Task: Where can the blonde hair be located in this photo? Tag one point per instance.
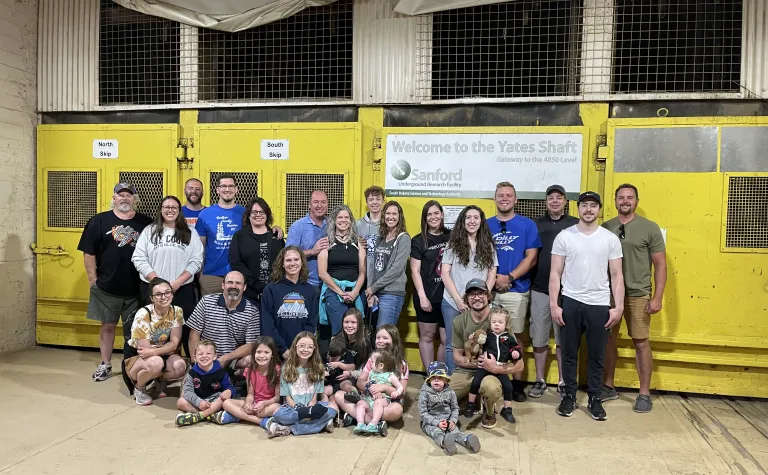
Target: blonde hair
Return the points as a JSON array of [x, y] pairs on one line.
[[136, 203], [500, 311]]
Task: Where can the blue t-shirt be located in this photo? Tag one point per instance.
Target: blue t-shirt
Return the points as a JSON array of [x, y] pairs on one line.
[[217, 225], [304, 233], [191, 215], [512, 239]]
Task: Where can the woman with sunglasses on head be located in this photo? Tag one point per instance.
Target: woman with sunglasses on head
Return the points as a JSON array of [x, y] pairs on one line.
[[171, 250], [426, 256], [154, 338], [470, 254], [254, 248]]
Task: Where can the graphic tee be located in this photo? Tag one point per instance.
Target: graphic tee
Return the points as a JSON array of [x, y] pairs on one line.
[[217, 225], [512, 239], [191, 215], [302, 390], [112, 240], [431, 257], [156, 329]]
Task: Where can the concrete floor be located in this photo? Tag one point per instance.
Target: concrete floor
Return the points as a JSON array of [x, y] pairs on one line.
[[55, 420]]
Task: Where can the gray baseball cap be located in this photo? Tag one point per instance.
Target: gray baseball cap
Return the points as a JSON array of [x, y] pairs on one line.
[[476, 284]]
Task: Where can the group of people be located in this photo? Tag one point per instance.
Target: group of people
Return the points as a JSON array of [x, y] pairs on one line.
[[254, 312]]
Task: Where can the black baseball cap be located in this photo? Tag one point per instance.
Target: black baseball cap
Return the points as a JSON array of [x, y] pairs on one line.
[[476, 284], [590, 196], [556, 188]]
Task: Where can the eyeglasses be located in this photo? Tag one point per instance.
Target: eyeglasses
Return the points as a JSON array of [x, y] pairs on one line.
[[258, 213], [477, 295], [306, 347], [170, 208], [622, 232], [226, 187], [165, 294]]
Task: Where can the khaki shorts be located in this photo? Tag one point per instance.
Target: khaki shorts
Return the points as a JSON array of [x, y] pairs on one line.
[[490, 388], [638, 320], [517, 305], [541, 321], [211, 284], [107, 308]]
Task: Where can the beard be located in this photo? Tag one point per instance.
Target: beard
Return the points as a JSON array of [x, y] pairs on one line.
[[233, 294], [124, 207], [193, 199]]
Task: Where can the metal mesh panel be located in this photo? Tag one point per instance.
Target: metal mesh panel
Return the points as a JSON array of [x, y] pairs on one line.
[[307, 56], [299, 187], [677, 46], [526, 48], [72, 198], [138, 57], [247, 186], [534, 208], [747, 218], [150, 188]]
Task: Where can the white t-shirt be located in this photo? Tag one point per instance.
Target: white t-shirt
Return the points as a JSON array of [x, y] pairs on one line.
[[585, 277]]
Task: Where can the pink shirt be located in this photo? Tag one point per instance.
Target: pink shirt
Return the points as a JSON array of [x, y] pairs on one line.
[[262, 391]]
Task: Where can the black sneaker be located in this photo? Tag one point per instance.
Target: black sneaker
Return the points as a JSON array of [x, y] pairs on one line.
[[596, 410], [470, 410], [348, 421], [383, 429], [352, 397], [506, 414], [518, 394], [567, 405]]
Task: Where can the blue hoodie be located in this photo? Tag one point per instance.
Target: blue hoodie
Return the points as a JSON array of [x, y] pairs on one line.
[[286, 310]]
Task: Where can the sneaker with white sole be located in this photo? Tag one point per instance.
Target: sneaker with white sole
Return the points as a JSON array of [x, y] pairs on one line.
[[567, 405], [538, 389], [595, 409], [142, 398], [103, 372], [277, 430]]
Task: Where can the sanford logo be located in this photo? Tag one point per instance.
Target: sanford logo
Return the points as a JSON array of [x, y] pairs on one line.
[[402, 170]]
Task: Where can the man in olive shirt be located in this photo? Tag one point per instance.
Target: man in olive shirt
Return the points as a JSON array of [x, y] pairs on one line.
[[643, 246], [478, 298]]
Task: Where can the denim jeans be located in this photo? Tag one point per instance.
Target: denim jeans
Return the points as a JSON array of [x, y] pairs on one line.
[[334, 309], [390, 307], [449, 313], [287, 416]]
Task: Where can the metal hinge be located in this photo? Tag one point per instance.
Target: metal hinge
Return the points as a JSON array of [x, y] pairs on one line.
[[602, 152], [378, 155], [52, 250], [185, 153]]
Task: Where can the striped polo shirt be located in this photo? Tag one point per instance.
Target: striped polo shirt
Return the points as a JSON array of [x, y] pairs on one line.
[[228, 329]]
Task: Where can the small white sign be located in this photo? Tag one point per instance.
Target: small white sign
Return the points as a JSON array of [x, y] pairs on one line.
[[274, 149], [451, 214], [105, 148]]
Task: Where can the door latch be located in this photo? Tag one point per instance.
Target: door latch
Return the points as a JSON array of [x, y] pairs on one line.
[[52, 250]]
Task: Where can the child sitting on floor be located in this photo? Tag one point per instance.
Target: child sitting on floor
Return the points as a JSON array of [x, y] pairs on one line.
[[205, 388], [384, 365], [439, 411]]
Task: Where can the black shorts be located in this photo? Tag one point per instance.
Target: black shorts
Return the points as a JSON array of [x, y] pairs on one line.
[[435, 316]]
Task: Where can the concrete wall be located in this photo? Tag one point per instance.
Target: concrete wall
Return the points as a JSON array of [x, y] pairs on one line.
[[18, 105]]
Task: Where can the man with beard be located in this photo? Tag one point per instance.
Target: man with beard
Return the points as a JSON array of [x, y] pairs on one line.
[[107, 243], [549, 225], [216, 225], [582, 256], [643, 246], [193, 190], [227, 319], [517, 247]]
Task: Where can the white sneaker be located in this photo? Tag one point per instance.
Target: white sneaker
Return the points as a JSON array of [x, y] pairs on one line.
[[142, 398]]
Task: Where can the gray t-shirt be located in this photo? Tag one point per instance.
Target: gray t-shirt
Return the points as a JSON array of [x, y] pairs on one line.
[[386, 269], [462, 274]]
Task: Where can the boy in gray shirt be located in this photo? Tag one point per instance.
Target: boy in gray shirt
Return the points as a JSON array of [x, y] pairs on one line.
[[368, 225]]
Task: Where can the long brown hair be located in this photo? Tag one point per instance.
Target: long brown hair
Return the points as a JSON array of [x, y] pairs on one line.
[[383, 231], [278, 271], [396, 348], [182, 233], [425, 226], [362, 342], [315, 369], [459, 241], [273, 376]]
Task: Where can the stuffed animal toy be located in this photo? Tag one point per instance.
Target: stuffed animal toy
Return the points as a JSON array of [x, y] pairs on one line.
[[474, 344]]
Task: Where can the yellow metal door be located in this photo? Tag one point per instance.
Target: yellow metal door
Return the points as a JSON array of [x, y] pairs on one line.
[[711, 335], [78, 167], [324, 156]]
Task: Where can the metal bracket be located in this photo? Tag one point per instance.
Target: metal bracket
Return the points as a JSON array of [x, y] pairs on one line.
[[53, 251], [185, 153], [602, 152], [378, 154]]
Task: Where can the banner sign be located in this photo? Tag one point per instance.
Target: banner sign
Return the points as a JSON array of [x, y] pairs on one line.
[[470, 165]]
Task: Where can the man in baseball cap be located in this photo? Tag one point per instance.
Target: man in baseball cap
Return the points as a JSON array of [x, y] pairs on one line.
[[590, 196], [123, 186]]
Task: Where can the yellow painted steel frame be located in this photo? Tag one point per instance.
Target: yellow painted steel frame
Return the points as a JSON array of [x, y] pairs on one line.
[[710, 336], [412, 209]]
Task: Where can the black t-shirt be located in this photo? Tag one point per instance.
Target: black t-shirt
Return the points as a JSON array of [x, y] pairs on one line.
[[431, 257], [112, 240], [343, 261], [548, 231]]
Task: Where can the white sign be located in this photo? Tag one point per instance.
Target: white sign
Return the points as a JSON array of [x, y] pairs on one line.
[[470, 165], [104, 148], [274, 149], [451, 214]]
